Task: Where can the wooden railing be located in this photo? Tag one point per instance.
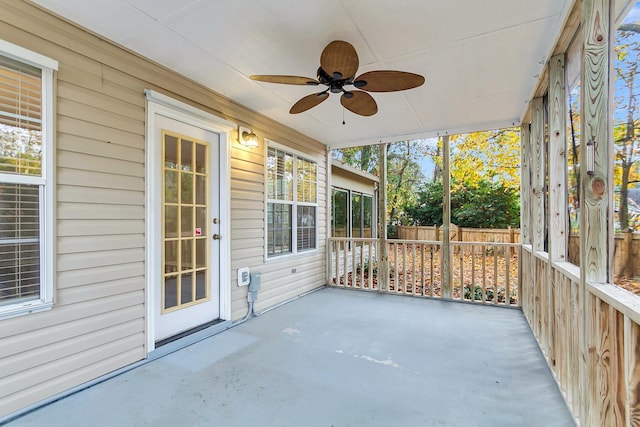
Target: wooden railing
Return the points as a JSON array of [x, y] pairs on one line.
[[481, 272], [590, 335], [353, 262]]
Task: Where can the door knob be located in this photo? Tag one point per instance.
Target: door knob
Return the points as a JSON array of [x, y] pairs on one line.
[[216, 237]]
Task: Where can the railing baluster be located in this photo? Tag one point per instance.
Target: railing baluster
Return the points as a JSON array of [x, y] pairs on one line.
[[495, 275], [473, 274], [395, 268], [422, 286], [362, 264], [461, 273], [507, 287], [413, 269], [484, 274], [345, 260], [431, 247], [370, 266]]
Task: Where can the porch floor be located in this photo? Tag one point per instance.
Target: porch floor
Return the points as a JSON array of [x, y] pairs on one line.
[[337, 358]]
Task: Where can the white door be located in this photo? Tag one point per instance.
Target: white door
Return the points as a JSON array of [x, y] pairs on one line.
[[187, 292]]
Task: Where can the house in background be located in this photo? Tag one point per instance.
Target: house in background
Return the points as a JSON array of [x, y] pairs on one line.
[[354, 195]]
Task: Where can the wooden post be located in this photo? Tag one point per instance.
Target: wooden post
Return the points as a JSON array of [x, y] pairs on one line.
[[538, 175], [525, 181], [328, 272], [447, 276], [595, 225], [383, 261], [557, 160]]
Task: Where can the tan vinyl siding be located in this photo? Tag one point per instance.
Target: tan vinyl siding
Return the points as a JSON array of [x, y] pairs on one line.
[[97, 324]]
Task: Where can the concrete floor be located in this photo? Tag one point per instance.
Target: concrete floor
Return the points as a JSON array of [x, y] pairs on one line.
[[337, 358]]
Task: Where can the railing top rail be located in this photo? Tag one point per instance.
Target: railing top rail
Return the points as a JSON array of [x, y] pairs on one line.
[[352, 239], [511, 245], [417, 242]]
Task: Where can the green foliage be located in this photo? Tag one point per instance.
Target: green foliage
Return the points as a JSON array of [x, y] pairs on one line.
[[481, 204]]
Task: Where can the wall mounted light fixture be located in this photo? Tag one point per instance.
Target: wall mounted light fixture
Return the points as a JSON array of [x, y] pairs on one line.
[[247, 138]]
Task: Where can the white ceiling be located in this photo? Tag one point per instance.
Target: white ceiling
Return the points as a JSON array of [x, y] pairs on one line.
[[480, 57]]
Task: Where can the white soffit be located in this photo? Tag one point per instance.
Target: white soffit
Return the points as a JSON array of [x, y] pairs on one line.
[[480, 58]]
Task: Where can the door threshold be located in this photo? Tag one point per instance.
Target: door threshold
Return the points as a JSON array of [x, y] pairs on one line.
[[188, 337]]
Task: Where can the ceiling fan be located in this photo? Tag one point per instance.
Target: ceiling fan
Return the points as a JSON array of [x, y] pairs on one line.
[[338, 67]]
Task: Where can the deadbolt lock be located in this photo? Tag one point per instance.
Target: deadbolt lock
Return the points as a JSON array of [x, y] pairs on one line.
[[216, 237]]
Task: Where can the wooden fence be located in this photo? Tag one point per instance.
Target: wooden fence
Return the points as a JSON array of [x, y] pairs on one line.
[[459, 234], [626, 260]]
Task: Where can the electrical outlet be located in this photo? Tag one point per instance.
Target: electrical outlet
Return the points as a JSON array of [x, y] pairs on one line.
[[243, 276]]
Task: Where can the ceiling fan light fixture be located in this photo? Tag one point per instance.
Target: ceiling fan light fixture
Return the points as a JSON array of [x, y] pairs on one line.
[[247, 138], [338, 67]]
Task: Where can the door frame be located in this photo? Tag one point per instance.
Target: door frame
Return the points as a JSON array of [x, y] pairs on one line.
[[159, 104]]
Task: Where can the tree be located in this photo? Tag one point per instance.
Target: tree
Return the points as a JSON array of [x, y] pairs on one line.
[[491, 155], [482, 204], [625, 118], [364, 158]]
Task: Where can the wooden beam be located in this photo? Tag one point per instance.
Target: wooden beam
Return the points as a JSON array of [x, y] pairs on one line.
[[383, 258], [595, 185], [537, 168], [525, 183], [595, 127], [557, 161], [447, 276]]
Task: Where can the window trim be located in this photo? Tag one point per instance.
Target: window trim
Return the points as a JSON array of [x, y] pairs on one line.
[[295, 253], [45, 182]]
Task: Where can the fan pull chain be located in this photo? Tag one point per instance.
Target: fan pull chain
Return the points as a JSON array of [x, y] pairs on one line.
[[343, 122]]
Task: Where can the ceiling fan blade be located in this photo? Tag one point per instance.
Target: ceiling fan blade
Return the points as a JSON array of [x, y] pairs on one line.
[[339, 60], [360, 103], [308, 102], [387, 81], [286, 80]]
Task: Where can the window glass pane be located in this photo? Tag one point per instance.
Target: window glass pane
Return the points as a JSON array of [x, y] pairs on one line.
[[170, 221], [20, 118], [356, 215], [171, 256], [201, 158], [573, 151], [187, 221], [170, 186], [201, 285], [272, 162], [186, 188], [170, 292], [19, 242], [186, 155], [626, 146], [306, 228], [307, 181], [339, 216], [367, 216], [280, 229], [186, 288], [170, 152]]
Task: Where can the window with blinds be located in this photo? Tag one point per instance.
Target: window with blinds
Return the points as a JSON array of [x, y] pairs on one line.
[[21, 181], [292, 202]]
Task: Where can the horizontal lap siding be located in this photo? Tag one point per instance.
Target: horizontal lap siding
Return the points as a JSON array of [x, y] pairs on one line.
[[97, 324], [278, 283]]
